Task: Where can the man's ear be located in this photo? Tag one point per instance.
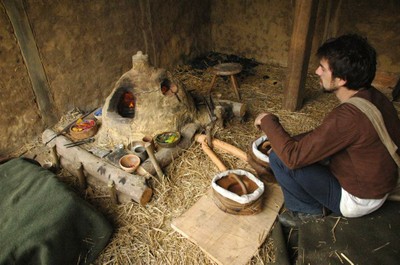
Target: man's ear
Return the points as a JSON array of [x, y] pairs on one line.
[[340, 81]]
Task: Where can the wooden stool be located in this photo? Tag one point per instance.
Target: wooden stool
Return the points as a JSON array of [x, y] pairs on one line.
[[227, 69]]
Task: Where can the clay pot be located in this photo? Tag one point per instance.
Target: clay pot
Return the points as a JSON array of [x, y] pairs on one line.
[[149, 140], [129, 162], [140, 151]]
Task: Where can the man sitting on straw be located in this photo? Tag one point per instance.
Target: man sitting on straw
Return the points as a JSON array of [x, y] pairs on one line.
[[360, 171]]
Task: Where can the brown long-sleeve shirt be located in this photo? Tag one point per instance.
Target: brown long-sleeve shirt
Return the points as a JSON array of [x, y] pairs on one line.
[[358, 158]]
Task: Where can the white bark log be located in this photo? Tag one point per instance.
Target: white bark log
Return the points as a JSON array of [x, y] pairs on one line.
[[134, 186]]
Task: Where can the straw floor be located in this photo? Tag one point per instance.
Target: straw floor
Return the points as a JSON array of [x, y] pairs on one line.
[[143, 234]]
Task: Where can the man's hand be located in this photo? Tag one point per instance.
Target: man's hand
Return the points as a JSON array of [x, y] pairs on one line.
[[257, 121]]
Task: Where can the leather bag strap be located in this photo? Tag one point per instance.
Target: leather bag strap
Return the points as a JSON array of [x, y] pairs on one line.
[[375, 116]]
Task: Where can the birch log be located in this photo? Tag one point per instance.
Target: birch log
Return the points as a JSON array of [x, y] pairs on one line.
[[131, 185]]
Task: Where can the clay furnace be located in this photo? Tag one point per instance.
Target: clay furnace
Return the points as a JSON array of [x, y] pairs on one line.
[[145, 101]]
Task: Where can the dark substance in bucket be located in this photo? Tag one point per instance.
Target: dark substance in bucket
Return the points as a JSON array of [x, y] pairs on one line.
[[140, 151]]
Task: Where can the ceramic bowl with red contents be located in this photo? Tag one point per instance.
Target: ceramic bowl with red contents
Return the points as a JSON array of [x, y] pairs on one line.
[[83, 129]]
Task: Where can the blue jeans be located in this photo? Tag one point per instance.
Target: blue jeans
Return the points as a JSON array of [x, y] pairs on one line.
[[307, 189]]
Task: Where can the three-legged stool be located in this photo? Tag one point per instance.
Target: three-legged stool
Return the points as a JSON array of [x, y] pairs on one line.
[[226, 69]]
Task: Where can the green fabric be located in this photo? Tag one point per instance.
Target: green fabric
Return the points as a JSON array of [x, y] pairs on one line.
[[43, 221]]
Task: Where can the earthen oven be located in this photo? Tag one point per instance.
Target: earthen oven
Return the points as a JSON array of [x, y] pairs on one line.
[[144, 101]]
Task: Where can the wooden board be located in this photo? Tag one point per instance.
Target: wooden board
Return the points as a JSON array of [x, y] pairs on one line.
[[226, 238]]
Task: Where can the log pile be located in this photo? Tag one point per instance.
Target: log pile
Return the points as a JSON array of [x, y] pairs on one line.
[[90, 168], [78, 161]]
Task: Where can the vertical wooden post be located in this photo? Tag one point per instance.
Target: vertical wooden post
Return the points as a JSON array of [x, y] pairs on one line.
[[81, 177], [23, 32], [56, 159], [113, 192], [299, 53]]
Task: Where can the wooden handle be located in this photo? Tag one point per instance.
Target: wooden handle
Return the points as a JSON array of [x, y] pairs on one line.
[[214, 158], [228, 148], [150, 152], [266, 145], [241, 184]]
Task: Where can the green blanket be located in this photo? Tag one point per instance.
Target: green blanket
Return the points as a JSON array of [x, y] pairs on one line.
[[42, 221]]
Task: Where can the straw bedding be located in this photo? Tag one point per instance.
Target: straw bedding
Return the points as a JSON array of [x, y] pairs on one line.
[[143, 234]]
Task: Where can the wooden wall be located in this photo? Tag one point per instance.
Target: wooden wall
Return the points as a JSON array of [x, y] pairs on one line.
[[85, 46], [261, 29]]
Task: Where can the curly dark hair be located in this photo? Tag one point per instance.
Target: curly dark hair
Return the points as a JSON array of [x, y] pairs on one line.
[[351, 58]]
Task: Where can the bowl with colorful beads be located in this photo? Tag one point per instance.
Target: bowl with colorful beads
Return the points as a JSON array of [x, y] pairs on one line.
[[167, 139], [83, 129]]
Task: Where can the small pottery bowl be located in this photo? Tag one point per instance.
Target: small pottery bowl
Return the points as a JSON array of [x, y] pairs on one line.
[[129, 162]]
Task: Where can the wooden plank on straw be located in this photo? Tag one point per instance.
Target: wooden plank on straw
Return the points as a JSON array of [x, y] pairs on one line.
[[226, 238]]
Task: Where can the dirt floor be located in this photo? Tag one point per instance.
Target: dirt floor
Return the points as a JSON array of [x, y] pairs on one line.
[[143, 234]]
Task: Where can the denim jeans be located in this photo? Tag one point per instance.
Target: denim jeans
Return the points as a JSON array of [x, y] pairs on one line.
[[307, 189]]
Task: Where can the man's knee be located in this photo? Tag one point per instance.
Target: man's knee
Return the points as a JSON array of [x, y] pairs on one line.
[[277, 166]]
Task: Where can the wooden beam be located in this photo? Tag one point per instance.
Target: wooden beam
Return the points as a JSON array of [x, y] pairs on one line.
[[23, 32], [299, 53]]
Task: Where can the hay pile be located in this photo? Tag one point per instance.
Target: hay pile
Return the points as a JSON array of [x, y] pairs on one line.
[[143, 234]]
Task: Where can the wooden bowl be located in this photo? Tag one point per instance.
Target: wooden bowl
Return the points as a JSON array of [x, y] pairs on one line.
[[129, 162], [84, 129], [167, 139]]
